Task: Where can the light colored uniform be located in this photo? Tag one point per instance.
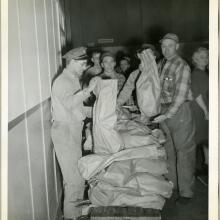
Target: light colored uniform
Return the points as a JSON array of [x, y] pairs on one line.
[[68, 114]]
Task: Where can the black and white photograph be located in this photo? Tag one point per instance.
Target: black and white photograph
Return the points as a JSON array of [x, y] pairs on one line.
[[109, 110]]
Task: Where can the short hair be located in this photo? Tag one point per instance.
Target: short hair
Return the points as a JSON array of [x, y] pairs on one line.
[[125, 58], [197, 52], [96, 51], [92, 51], [107, 54]]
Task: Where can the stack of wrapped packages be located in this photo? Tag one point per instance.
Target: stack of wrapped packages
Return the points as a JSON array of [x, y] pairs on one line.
[[129, 159]]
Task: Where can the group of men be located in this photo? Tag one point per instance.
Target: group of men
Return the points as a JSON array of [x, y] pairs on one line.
[[175, 119]]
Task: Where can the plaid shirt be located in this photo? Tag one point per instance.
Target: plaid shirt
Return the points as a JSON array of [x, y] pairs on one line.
[[175, 78]]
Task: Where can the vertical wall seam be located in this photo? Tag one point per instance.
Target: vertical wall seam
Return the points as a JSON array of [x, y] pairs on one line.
[[58, 30], [4, 208], [26, 126], [55, 174], [41, 112], [47, 45], [54, 43]]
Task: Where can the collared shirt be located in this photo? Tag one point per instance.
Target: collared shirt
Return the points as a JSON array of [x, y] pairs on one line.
[[121, 80], [67, 98], [128, 87], [175, 79]]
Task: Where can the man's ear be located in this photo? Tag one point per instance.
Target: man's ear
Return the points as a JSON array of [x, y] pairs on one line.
[[177, 46], [102, 65]]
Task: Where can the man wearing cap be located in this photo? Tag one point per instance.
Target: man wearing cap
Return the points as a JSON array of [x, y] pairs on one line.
[[125, 66], [95, 69], [108, 64], [176, 116], [68, 114], [95, 58]]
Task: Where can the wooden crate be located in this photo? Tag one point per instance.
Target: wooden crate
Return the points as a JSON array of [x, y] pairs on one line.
[[124, 213]]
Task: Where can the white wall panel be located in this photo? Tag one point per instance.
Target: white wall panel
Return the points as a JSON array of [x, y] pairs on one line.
[[52, 51], [19, 188], [15, 94], [57, 32], [42, 47], [35, 138], [52, 183], [34, 58], [29, 52]]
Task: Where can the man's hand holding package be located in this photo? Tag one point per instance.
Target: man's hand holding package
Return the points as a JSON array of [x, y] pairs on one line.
[[159, 118], [93, 82]]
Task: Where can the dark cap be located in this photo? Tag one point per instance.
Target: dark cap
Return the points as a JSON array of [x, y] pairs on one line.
[[170, 36], [107, 54], [126, 58], [78, 53], [148, 46]]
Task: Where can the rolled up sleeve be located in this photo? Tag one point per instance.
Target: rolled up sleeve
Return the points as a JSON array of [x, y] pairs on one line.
[[129, 86]]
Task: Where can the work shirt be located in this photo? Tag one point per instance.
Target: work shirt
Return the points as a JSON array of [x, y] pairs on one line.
[[128, 88], [175, 79], [121, 80], [67, 99]]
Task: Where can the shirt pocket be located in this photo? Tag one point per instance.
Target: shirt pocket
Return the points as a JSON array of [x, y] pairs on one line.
[[169, 84]]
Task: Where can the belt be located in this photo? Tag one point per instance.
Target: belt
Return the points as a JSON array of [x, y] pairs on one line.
[[67, 122], [167, 104]]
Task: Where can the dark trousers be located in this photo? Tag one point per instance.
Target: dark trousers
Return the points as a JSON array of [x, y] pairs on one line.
[[181, 149]]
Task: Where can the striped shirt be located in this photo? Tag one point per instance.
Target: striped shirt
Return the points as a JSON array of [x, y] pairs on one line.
[[175, 79], [128, 88]]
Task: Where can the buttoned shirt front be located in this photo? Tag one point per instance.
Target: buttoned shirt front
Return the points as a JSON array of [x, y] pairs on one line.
[[67, 98], [175, 79]]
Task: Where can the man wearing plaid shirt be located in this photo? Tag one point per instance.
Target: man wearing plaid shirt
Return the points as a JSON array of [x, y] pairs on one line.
[[176, 117]]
